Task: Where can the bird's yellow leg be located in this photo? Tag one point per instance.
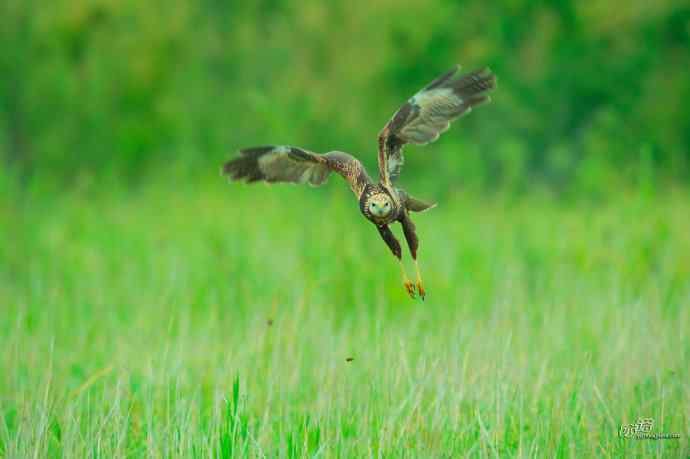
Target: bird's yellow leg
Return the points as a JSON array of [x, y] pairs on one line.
[[409, 286], [420, 286]]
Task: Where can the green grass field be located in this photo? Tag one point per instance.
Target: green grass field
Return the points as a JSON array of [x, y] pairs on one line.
[[218, 321]]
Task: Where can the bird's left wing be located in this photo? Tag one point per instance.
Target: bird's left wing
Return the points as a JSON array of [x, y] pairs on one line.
[[425, 116], [295, 165]]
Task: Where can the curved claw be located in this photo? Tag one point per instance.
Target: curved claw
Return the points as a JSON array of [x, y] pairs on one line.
[[420, 289], [409, 286]]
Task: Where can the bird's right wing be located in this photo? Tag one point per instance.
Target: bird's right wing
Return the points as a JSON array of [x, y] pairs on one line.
[[295, 165]]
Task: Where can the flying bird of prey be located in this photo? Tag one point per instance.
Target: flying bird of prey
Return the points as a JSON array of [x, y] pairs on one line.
[[420, 120]]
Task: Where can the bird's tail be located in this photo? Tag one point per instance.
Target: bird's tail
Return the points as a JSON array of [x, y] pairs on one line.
[[417, 205]]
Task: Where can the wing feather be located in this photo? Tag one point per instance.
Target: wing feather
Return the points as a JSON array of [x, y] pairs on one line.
[[429, 113], [286, 164]]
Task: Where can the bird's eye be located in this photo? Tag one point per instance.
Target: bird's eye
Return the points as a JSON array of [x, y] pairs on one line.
[[388, 204]]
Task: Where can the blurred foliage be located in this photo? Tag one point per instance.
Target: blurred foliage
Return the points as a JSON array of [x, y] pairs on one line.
[[590, 93]]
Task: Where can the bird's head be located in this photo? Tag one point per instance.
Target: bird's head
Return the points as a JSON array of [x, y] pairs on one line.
[[379, 205]]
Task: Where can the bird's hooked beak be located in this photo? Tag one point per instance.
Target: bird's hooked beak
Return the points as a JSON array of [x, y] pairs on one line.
[[377, 211]]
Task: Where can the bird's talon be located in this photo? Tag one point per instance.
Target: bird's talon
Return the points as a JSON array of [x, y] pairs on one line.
[[420, 289], [409, 286]]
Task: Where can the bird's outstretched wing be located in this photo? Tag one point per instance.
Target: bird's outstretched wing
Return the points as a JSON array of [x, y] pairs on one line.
[[429, 113], [295, 165]]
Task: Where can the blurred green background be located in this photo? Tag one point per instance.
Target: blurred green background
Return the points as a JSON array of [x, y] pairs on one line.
[[592, 95]]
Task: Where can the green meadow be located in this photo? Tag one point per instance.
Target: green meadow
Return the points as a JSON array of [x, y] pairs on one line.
[[224, 320]]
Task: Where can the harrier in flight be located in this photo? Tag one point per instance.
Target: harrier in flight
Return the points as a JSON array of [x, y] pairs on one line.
[[420, 120]]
